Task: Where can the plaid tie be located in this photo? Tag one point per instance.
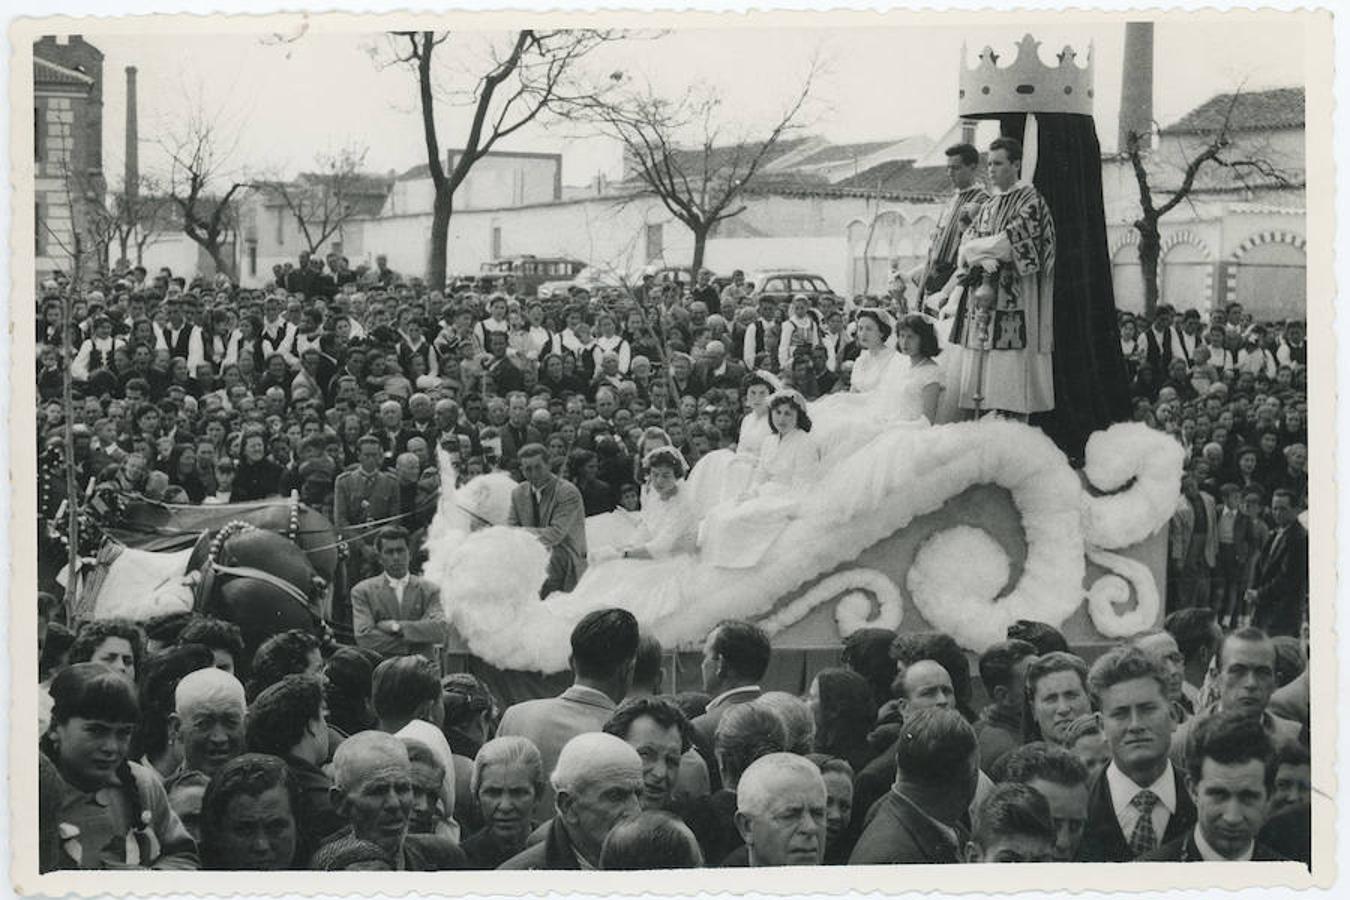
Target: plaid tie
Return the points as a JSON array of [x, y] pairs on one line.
[[1145, 838]]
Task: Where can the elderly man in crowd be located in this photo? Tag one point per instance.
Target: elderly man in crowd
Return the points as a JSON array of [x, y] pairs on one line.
[[597, 783], [372, 790], [207, 722], [780, 811]]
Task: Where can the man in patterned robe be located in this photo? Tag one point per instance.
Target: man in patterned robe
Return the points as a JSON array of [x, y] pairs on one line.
[[963, 164], [1008, 366]]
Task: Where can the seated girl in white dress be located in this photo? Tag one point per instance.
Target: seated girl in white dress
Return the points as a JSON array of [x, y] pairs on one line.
[[737, 534], [667, 524], [922, 385], [724, 474]]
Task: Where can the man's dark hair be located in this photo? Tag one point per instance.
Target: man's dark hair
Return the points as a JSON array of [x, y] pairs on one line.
[[647, 664], [168, 628], [402, 685], [277, 717], [1292, 753], [867, 651], [94, 633], [935, 746], [1047, 762], [280, 655], [968, 154], [1045, 638], [603, 642], [997, 663], [652, 840], [1229, 739], [214, 633], [392, 533], [1011, 146], [941, 648], [1013, 808], [660, 710], [745, 733], [248, 775], [1193, 630], [1119, 665], [530, 451], [1250, 633], [744, 647]]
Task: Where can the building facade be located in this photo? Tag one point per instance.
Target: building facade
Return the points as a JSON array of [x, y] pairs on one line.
[[67, 152]]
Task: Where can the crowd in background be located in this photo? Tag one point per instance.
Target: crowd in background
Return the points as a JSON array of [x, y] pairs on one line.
[[164, 747]]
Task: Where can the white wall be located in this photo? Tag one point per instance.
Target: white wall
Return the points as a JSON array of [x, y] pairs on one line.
[[824, 256]]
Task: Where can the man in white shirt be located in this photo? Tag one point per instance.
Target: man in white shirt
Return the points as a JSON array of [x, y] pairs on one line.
[[180, 337], [278, 335], [1139, 801], [1231, 770]]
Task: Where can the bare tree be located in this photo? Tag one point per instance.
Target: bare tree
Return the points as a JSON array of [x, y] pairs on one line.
[[202, 186], [1216, 147], [528, 74], [703, 185], [323, 201], [134, 219]]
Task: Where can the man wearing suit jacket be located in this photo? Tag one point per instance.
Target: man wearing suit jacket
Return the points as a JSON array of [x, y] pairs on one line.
[[1279, 591], [1193, 545], [553, 510], [1139, 801], [716, 371], [735, 658], [604, 646], [937, 767], [396, 613], [1231, 770], [362, 495]]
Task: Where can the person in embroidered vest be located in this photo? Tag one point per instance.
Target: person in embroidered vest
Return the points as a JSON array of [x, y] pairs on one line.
[[396, 613], [372, 790], [781, 811], [278, 335], [251, 817], [98, 352], [933, 278], [604, 648], [800, 331], [110, 813], [1140, 800], [180, 337], [937, 766], [1010, 247], [597, 784], [758, 339], [1231, 767]]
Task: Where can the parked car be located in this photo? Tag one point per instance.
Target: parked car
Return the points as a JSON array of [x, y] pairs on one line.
[[783, 284], [589, 280]]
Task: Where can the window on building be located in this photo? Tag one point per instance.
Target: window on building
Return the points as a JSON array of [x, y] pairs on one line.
[[252, 257], [39, 133], [655, 241], [496, 242]]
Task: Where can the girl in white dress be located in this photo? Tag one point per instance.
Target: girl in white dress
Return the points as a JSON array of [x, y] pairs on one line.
[[919, 391], [723, 474], [737, 534]]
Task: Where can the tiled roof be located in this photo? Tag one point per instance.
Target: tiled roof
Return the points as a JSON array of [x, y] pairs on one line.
[[47, 72], [844, 152], [1257, 111], [902, 177]]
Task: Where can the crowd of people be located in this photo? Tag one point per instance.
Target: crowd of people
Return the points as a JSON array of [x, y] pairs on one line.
[[168, 748], [165, 746]]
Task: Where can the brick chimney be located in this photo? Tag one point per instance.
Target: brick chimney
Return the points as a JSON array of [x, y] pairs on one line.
[[132, 172], [1136, 86]]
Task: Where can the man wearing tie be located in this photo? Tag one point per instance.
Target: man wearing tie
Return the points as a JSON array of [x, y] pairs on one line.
[[1279, 591], [396, 613], [553, 510]]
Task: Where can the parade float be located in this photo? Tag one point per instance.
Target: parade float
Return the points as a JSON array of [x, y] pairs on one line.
[[963, 528]]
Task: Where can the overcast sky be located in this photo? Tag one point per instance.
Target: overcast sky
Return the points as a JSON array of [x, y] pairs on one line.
[[287, 100]]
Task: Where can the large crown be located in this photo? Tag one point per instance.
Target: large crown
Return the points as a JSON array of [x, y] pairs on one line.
[[1028, 85]]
